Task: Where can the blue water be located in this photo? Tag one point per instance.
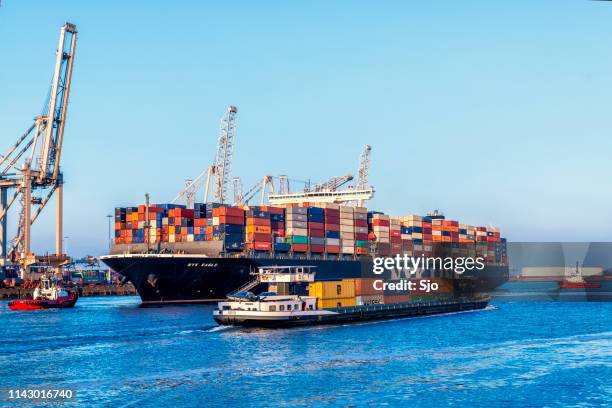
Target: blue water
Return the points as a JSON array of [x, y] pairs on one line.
[[117, 354]]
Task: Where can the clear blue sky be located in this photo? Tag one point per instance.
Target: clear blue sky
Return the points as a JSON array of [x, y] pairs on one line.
[[495, 112]]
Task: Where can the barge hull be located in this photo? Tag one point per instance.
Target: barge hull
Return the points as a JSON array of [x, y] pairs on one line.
[[357, 314]]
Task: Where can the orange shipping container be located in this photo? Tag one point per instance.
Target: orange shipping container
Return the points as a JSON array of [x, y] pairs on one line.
[[361, 251], [365, 287], [258, 221]]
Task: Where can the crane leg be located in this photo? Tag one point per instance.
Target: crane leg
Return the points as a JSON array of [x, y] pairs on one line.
[[3, 204], [59, 224]]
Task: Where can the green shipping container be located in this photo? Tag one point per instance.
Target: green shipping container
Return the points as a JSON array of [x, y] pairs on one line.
[[361, 244], [299, 239]]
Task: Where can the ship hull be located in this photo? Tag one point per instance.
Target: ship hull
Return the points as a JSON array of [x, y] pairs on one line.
[[174, 278]]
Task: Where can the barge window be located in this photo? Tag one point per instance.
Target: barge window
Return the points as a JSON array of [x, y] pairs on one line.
[[339, 289], [281, 308], [272, 308]]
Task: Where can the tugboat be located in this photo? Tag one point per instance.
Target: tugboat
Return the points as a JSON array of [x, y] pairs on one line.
[[48, 295], [576, 281], [270, 309]]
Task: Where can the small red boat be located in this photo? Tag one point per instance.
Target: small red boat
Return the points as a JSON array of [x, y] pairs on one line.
[[567, 284], [576, 281], [48, 295]]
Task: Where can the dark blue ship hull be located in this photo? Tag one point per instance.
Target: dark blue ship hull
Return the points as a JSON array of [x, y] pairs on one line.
[[170, 278]]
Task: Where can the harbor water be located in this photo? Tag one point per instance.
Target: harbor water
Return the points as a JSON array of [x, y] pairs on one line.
[[113, 352]]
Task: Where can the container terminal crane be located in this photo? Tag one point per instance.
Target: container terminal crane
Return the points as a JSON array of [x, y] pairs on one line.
[[32, 164]]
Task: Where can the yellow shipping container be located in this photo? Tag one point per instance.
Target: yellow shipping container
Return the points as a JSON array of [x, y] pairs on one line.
[[332, 289], [258, 229], [332, 303]]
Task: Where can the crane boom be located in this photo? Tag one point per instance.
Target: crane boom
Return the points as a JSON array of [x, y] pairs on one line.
[[364, 168], [58, 102], [225, 155]]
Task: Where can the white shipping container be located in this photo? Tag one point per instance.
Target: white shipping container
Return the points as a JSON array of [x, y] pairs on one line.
[[417, 235], [296, 224], [406, 236], [348, 242], [346, 210], [361, 216], [414, 218], [296, 210], [347, 221], [361, 230], [380, 228], [346, 217], [171, 238], [383, 217], [383, 240], [333, 241], [190, 238], [369, 300], [347, 235], [361, 210], [348, 250], [330, 206], [297, 231], [347, 228], [296, 217], [436, 232]]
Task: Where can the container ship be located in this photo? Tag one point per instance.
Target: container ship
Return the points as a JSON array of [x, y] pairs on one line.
[[173, 254]]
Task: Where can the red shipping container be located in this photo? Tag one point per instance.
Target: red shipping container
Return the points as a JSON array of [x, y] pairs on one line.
[[316, 233], [332, 212], [332, 227], [333, 249], [316, 226], [227, 219], [380, 223], [332, 220], [317, 248], [265, 222], [262, 246], [275, 210], [183, 212], [258, 237], [299, 247], [396, 234], [361, 223], [361, 236]]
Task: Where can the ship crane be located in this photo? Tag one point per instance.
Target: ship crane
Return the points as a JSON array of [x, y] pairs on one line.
[[265, 184], [329, 192], [41, 145], [220, 171]]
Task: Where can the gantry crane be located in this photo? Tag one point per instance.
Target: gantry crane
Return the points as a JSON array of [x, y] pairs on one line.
[[221, 170], [40, 170]]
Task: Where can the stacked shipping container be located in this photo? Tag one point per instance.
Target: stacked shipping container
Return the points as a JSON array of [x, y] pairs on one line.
[[326, 229]]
